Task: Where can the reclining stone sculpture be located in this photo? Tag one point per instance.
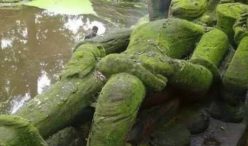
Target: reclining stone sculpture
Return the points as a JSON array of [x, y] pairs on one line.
[[182, 53]]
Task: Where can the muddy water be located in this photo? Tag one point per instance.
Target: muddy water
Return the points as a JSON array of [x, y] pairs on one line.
[[36, 44]]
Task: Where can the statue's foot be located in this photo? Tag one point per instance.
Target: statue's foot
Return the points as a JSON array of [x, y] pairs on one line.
[[240, 27]]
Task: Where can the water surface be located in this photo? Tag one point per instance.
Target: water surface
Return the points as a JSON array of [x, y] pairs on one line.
[[35, 44]]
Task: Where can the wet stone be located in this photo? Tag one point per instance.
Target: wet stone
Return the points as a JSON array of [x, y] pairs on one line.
[[171, 135], [220, 134], [66, 137], [225, 112], [194, 117]]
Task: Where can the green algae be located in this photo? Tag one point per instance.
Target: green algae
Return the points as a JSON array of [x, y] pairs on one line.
[[73, 7]]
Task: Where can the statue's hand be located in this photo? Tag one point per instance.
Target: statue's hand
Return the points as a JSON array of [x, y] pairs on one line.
[[240, 27], [226, 1], [118, 63]]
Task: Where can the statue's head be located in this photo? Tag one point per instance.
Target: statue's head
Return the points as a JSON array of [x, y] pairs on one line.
[[188, 9]]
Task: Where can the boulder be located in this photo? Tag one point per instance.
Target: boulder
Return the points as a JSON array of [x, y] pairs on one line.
[[66, 137], [194, 118], [171, 134], [226, 112], [220, 134]]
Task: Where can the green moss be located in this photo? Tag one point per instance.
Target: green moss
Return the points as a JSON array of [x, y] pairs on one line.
[[188, 9], [209, 17], [191, 77], [16, 131], [240, 28], [79, 83], [116, 110], [227, 14], [212, 47], [236, 76], [112, 42], [209, 52], [72, 7], [157, 63], [53, 110], [172, 37], [118, 63], [83, 61]]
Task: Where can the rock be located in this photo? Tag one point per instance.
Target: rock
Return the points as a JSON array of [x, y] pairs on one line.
[[171, 135], [219, 134], [196, 120], [66, 137], [225, 112], [150, 120]]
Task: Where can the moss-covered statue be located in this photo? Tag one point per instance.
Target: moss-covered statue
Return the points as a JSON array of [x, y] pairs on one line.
[[174, 58]]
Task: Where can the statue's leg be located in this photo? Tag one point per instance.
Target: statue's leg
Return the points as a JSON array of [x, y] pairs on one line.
[[117, 63], [235, 85], [78, 84], [227, 14], [116, 110], [68, 97], [16, 131], [235, 79]]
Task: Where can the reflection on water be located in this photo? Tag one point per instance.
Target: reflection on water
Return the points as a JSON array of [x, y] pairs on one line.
[[18, 101], [34, 46], [43, 82]]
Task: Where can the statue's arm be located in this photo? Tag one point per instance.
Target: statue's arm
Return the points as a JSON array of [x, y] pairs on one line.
[[113, 42]]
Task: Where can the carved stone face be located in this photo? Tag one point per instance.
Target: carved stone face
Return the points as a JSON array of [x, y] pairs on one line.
[[188, 9]]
